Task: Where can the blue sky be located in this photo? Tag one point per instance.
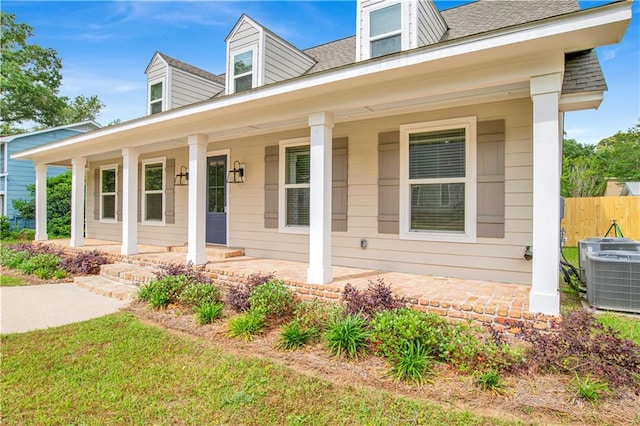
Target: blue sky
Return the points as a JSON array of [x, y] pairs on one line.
[[106, 46]]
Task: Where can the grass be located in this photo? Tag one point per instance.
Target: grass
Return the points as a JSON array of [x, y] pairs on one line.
[[8, 281], [626, 325], [571, 253], [116, 370]]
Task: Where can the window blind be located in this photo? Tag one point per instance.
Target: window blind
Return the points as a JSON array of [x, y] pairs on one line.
[[437, 155]]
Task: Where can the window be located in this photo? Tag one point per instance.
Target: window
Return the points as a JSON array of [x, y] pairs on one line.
[[438, 171], [108, 185], [153, 191], [155, 97], [385, 30], [243, 71], [295, 175]]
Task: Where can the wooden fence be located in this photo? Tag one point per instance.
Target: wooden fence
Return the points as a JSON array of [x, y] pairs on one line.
[[592, 216]]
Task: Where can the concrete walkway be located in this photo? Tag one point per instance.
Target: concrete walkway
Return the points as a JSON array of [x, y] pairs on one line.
[[42, 306]]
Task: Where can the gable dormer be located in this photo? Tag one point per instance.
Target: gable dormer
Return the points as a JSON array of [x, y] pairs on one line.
[[389, 26], [257, 56], [172, 83]]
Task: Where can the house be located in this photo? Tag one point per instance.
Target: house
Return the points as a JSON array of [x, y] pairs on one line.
[[429, 142], [15, 175], [630, 189]]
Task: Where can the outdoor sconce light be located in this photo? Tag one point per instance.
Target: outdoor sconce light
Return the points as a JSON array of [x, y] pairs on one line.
[[182, 178], [236, 175], [528, 253]]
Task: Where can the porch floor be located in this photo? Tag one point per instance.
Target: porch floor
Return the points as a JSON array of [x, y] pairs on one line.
[[503, 304]]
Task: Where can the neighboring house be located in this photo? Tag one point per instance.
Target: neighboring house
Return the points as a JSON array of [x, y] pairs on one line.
[[15, 175], [612, 188], [429, 142], [630, 189]]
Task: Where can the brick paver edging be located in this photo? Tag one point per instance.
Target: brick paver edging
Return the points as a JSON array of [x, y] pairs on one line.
[[501, 317]]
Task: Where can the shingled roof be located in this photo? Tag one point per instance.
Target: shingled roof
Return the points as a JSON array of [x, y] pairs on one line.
[[172, 62], [582, 73]]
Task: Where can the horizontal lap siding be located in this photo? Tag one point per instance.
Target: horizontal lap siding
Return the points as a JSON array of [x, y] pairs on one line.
[[246, 35], [167, 235], [157, 70], [187, 88], [498, 259], [431, 26], [282, 62]]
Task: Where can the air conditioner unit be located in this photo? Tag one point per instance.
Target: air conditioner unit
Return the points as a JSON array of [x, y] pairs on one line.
[[594, 245], [613, 280]]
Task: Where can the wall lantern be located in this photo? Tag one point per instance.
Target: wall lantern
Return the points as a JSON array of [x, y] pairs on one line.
[[236, 175], [182, 178]]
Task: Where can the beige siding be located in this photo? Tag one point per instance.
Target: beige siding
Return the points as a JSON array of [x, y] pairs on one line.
[[157, 70], [430, 24], [187, 88], [167, 235], [245, 35], [283, 61]]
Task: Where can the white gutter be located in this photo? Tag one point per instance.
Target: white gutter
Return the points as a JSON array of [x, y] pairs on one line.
[[580, 20]]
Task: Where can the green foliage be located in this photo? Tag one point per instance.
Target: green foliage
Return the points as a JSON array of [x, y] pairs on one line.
[[5, 227], [247, 325], [295, 335], [316, 314], [161, 293], [588, 389], [412, 362], [348, 336], [197, 294], [489, 380], [208, 312], [12, 258], [26, 208], [42, 265], [619, 155], [272, 300], [30, 81]]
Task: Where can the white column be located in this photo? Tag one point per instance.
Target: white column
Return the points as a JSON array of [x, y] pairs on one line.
[[197, 210], [320, 271], [547, 140], [129, 201], [77, 201], [41, 202]]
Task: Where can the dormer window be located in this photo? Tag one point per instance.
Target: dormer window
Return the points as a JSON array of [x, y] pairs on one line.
[[243, 71], [385, 30], [156, 97]]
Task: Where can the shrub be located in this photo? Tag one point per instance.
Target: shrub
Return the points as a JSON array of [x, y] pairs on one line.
[[377, 297], [238, 297], [197, 294], [295, 335], [348, 336], [84, 263], [272, 299], [393, 330], [161, 293], [208, 312], [412, 363], [43, 265], [246, 325], [188, 270], [316, 314], [12, 258], [488, 380], [5, 227], [582, 346]]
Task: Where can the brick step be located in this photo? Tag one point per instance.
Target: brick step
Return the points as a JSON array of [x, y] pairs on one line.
[[128, 273], [105, 287], [216, 252]]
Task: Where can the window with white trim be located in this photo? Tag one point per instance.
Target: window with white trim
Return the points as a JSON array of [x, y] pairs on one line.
[[243, 72], [295, 178], [156, 97], [153, 196], [385, 30], [108, 196], [437, 178]]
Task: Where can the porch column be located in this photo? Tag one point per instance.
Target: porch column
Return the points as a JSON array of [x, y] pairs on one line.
[[197, 209], [129, 201], [320, 271], [41, 202], [77, 201], [547, 142]]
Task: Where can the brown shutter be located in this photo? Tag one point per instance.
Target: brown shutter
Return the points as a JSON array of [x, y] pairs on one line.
[[96, 194], [491, 151], [140, 185], [389, 182], [169, 191], [119, 195], [339, 195], [271, 161]]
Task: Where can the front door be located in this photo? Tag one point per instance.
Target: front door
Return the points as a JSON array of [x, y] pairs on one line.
[[217, 200]]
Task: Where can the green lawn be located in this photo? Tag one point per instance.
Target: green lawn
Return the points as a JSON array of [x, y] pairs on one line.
[[7, 281], [116, 370]]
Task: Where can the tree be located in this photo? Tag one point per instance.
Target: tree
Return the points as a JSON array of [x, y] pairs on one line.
[[58, 205], [619, 155], [581, 176], [30, 78]]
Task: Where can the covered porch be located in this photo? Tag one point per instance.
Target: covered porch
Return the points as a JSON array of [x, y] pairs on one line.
[[503, 305]]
